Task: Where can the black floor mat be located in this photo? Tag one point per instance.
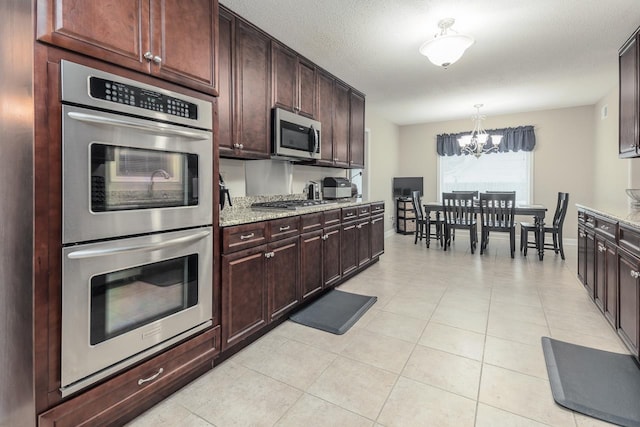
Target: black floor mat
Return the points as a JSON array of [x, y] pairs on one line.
[[334, 312], [597, 383]]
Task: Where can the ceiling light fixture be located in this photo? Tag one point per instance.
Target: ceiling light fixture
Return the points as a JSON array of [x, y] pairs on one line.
[[445, 49], [474, 143]]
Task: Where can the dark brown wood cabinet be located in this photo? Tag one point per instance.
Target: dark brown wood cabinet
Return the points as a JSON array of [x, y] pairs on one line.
[[341, 131], [325, 91], [364, 241], [629, 97], [311, 263], [294, 81], [606, 266], [377, 235], [245, 94], [356, 130], [331, 254], [590, 247], [283, 270], [629, 299], [149, 36]]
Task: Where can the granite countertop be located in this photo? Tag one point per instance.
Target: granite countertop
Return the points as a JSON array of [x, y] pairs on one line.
[[241, 212], [630, 216]]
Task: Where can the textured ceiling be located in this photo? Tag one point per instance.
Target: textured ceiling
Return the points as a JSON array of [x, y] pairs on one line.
[[529, 54]]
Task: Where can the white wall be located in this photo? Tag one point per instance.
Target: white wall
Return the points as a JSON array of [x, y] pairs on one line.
[[563, 157]]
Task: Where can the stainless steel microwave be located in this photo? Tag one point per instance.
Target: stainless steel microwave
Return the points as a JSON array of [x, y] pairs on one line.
[[295, 136]]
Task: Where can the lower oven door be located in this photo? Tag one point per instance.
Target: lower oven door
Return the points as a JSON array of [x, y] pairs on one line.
[[124, 300]]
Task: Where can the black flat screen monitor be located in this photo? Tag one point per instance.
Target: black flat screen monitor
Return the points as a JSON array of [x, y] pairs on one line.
[[403, 186]]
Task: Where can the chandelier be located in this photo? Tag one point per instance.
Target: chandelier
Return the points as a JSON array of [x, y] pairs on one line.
[[445, 49], [475, 142]]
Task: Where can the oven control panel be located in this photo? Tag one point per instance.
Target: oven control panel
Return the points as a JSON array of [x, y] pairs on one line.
[[134, 96]]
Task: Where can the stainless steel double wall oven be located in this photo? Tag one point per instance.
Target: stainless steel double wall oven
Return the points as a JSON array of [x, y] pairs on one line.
[[137, 253]]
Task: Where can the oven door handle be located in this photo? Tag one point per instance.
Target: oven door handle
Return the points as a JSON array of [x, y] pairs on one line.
[[157, 128], [144, 247]]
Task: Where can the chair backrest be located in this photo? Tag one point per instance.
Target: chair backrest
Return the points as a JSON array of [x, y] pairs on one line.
[[498, 209], [458, 207], [561, 210], [475, 193], [417, 208]]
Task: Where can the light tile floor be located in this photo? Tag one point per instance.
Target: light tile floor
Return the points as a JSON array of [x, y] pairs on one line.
[[453, 340]]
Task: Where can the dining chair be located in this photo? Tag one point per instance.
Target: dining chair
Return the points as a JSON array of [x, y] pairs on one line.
[[555, 229], [459, 214], [428, 228], [475, 197], [497, 213]]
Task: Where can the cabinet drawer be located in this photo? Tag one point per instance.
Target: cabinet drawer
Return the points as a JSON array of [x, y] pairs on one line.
[[114, 402], [377, 208], [283, 228], [332, 217], [580, 217], [629, 239], [364, 211], [349, 214], [243, 236], [606, 228], [310, 222], [589, 220]]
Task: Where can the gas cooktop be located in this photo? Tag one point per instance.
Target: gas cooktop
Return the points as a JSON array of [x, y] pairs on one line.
[[292, 205]]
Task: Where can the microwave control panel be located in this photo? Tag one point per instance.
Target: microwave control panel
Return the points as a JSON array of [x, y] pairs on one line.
[[131, 95]]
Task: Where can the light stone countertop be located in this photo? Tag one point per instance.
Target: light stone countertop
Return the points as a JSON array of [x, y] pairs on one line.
[[241, 212], [630, 217]]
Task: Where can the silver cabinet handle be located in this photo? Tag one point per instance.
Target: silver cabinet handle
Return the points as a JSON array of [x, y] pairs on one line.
[[151, 378], [285, 228], [269, 254], [148, 55], [148, 247], [635, 274], [582, 234], [157, 128], [157, 59], [600, 248], [247, 236], [325, 237]]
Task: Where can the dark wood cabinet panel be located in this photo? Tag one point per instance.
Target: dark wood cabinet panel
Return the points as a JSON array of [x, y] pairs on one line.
[[244, 294], [629, 98], [364, 241], [252, 102], [331, 254], [147, 36], [341, 132], [311, 263], [284, 63], [326, 85], [356, 130], [307, 89], [283, 269], [599, 288], [582, 254], [226, 32], [349, 247], [377, 235], [628, 299], [611, 288], [590, 247]]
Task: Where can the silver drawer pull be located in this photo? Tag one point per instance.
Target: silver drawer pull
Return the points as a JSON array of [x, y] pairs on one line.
[[285, 228], [600, 248], [604, 227], [247, 236], [269, 254], [363, 211], [635, 274], [151, 378]]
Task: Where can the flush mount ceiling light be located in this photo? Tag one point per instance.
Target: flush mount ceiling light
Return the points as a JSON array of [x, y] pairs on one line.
[[475, 142], [445, 49]]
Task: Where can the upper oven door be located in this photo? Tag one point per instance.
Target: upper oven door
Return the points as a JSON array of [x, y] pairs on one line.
[[125, 176]]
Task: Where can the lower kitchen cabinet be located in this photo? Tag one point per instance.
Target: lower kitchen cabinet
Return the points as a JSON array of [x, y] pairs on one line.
[[364, 241], [349, 247], [331, 254], [311, 263], [590, 247], [628, 299], [282, 275], [244, 294], [377, 235]]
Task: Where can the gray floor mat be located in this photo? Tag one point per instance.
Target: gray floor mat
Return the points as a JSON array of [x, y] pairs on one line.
[[597, 383], [334, 312]]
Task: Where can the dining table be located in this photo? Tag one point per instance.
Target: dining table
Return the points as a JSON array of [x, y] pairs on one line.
[[536, 211]]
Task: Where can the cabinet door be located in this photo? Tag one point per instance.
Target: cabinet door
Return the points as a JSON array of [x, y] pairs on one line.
[[115, 31], [611, 288], [252, 101], [331, 255], [589, 279], [244, 294], [282, 276], [226, 23], [356, 130], [629, 98], [364, 241], [377, 236], [311, 263], [582, 254], [628, 299], [341, 132], [349, 247], [599, 288], [307, 89], [284, 64], [325, 116], [186, 56]]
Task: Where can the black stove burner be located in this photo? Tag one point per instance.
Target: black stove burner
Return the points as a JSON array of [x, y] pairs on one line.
[[292, 204]]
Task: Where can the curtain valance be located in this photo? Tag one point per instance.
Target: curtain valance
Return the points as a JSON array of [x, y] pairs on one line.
[[513, 139]]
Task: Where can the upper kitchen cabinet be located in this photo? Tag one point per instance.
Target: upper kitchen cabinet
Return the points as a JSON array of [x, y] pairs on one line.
[[294, 81], [326, 84], [244, 104], [629, 97], [151, 36], [356, 130], [341, 132]]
